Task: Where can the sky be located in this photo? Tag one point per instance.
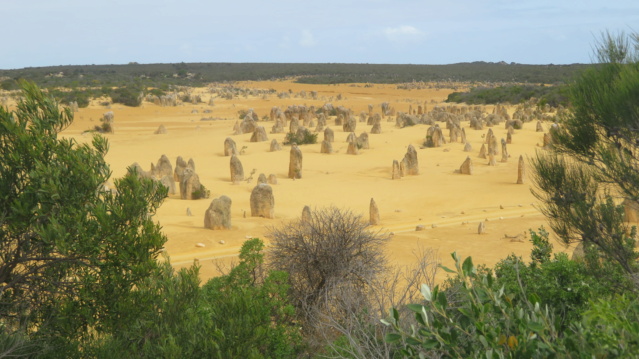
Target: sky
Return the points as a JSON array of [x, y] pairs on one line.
[[83, 32]]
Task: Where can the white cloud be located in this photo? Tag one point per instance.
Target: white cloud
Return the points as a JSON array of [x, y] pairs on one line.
[[307, 39], [403, 33]]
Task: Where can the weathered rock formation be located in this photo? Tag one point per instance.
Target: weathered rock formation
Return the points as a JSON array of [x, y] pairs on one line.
[[327, 147], [306, 214], [261, 178], [434, 137], [237, 129], [272, 179], [362, 141], [262, 201], [275, 146], [169, 183], [351, 137], [350, 124], [352, 149], [180, 166], [481, 229], [218, 215], [161, 130], [396, 172], [259, 134], [491, 160], [493, 146], [521, 171], [237, 171], [374, 213], [294, 125], [229, 147], [295, 163], [162, 168], [468, 147], [376, 129], [466, 167], [504, 151], [329, 135], [248, 124], [483, 151], [410, 164], [190, 186]]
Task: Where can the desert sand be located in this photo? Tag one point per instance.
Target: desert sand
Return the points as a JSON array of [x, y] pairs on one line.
[[447, 204]]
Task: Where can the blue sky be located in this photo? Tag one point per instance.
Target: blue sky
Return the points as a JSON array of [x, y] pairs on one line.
[[79, 32]]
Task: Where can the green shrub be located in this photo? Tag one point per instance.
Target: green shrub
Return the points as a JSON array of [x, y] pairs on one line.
[[250, 306], [300, 138], [485, 323], [201, 192], [127, 96]]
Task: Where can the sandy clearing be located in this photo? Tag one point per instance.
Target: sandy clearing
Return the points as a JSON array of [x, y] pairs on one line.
[[438, 196]]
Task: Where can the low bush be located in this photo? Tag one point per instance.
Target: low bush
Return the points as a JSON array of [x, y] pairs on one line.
[[127, 96], [303, 137], [202, 192]]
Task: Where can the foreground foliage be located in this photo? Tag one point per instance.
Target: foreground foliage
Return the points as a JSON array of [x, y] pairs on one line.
[[554, 306], [485, 317], [243, 314], [70, 250], [593, 165]]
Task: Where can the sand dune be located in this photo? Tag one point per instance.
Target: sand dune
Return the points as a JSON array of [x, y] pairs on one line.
[[448, 204]]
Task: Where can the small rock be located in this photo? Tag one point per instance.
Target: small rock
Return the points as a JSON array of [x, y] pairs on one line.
[[420, 227], [200, 245], [481, 229], [501, 206], [433, 225], [222, 242]]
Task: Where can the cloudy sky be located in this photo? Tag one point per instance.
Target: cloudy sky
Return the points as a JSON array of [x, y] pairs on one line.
[[79, 32]]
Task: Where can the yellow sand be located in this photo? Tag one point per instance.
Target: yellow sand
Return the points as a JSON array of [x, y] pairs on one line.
[[448, 204]]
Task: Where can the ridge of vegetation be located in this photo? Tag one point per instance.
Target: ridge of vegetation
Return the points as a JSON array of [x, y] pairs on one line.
[[197, 74]]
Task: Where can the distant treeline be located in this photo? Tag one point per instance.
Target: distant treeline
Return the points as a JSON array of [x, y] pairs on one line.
[[197, 74], [514, 94]]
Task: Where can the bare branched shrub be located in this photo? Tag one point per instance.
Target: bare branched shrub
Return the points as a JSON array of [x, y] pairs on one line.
[[332, 251], [361, 334], [341, 282]]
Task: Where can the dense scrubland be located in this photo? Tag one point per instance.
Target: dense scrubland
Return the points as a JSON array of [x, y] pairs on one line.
[[124, 83], [82, 274]]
